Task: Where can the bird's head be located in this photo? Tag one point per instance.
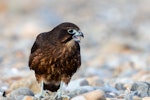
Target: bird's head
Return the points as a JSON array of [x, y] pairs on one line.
[[69, 31], [75, 33]]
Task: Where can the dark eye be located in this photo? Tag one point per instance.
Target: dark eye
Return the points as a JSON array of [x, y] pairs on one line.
[[71, 31]]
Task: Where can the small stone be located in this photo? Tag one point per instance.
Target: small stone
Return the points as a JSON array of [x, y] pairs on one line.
[[111, 95], [141, 88], [113, 99], [22, 91], [81, 90], [84, 83], [128, 86], [95, 95], [29, 82], [65, 98], [28, 98], [146, 98], [19, 93], [3, 98], [136, 98], [95, 81], [77, 84], [119, 86], [79, 98]]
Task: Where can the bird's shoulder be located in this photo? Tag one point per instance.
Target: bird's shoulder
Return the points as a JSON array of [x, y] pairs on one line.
[[43, 40]]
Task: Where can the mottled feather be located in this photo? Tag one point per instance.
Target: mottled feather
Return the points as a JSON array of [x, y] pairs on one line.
[[55, 56]]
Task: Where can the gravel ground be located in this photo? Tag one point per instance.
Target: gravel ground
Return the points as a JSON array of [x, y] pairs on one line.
[[115, 51]]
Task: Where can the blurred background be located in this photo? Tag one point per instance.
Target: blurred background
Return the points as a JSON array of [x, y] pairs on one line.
[[116, 46]]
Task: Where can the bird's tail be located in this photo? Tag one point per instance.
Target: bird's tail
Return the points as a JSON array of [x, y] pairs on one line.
[[51, 87]]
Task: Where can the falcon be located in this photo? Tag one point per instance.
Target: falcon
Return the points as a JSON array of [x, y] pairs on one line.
[[55, 57]]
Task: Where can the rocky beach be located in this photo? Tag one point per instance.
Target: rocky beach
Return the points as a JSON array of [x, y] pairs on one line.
[[115, 51]]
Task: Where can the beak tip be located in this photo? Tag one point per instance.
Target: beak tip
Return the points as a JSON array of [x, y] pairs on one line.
[[82, 35]]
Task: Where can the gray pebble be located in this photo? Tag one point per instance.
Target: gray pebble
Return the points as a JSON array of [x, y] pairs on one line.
[[119, 86], [19, 93], [141, 88]]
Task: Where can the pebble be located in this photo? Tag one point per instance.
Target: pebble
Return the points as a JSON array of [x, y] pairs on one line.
[[113, 99], [136, 98], [93, 95], [119, 86], [95, 81], [28, 98], [146, 98], [76, 84], [29, 82], [78, 98], [142, 88], [3, 98], [19, 93], [81, 90]]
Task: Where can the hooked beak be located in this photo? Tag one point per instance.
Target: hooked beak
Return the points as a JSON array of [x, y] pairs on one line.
[[77, 36]]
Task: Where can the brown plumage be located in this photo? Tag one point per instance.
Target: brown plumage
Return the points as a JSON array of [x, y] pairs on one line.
[[55, 55]]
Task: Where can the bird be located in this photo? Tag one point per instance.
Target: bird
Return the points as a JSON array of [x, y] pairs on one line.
[[55, 57]]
